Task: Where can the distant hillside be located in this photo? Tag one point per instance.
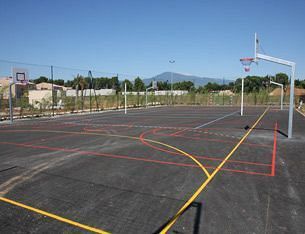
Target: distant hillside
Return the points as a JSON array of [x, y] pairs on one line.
[[177, 77]]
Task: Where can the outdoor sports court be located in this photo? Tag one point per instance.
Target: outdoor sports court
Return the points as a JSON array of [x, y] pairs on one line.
[[182, 169]]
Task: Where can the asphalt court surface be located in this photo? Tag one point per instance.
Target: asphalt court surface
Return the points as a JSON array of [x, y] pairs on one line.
[[133, 173]]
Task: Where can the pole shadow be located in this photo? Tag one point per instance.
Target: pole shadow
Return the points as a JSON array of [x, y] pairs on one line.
[[268, 129], [196, 226]]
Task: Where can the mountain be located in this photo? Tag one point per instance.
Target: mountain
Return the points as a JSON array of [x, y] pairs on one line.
[[178, 77]]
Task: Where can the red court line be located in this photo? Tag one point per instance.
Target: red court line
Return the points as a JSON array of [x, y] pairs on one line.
[[82, 152], [209, 139], [5, 126], [141, 137], [126, 157], [178, 132], [274, 150], [235, 161], [242, 171], [193, 138], [54, 125], [49, 138]]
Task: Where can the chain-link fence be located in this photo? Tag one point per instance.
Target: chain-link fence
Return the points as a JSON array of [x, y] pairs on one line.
[[55, 90], [67, 104]]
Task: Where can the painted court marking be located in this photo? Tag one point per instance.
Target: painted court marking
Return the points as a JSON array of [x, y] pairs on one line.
[[300, 112], [59, 218], [215, 120], [98, 134], [175, 218], [209, 179]]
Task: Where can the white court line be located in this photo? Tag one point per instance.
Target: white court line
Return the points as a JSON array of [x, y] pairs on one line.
[[215, 120], [300, 112]]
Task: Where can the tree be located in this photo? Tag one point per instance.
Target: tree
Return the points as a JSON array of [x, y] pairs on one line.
[[300, 84], [282, 78], [69, 83], [139, 85], [184, 85], [237, 85], [88, 82], [40, 80], [252, 84], [59, 82], [115, 83], [229, 86], [212, 86], [103, 83], [80, 82], [200, 89], [129, 85], [163, 85]]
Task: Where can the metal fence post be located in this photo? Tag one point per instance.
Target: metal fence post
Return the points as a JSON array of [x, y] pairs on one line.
[[52, 90], [10, 103]]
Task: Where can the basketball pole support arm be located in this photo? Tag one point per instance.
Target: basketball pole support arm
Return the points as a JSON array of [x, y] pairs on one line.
[[285, 63]]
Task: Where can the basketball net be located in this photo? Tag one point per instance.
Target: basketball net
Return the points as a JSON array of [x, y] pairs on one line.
[[246, 62]]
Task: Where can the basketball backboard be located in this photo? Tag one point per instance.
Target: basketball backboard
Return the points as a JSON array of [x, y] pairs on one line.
[[20, 75], [154, 84]]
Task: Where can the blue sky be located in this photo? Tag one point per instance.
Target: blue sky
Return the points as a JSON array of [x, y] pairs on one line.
[[205, 38]]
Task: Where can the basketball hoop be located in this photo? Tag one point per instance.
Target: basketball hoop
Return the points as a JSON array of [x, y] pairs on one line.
[[23, 82], [21, 79], [20, 76], [246, 62]]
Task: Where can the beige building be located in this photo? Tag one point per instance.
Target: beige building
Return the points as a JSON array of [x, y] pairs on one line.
[[48, 86], [226, 92], [4, 81], [297, 92], [18, 90], [86, 92], [38, 97]]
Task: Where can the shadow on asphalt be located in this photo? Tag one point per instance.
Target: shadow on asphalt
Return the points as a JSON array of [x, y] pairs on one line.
[[198, 207], [267, 129]]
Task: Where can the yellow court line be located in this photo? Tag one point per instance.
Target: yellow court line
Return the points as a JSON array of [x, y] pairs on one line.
[[301, 113], [68, 221], [124, 136], [183, 152], [98, 134], [200, 189]]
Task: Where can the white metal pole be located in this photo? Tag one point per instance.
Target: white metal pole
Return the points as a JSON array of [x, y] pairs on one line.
[[255, 47], [242, 98], [291, 99], [146, 98], [172, 92], [282, 91], [282, 96], [291, 102], [125, 98], [172, 83], [10, 103]]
